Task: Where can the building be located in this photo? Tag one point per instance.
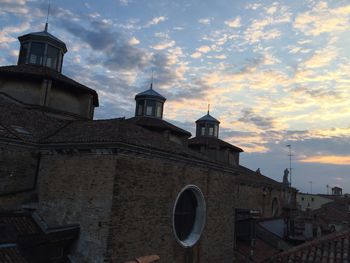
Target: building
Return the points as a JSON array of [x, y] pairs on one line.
[[130, 187], [312, 201]]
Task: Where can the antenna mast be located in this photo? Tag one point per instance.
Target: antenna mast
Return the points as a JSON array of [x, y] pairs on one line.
[[47, 16]]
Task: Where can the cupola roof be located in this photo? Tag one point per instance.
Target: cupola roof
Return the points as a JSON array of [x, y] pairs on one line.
[[44, 36], [207, 118], [150, 93]]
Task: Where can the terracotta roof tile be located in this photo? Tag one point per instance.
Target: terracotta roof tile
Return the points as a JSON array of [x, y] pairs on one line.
[[331, 248], [11, 254]]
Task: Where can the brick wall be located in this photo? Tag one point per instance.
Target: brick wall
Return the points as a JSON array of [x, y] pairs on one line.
[[145, 190], [77, 189]]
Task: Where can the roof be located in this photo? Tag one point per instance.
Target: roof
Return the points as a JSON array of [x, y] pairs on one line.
[[207, 118], [44, 35], [23, 123], [331, 248], [22, 238], [150, 93], [11, 254], [213, 141], [158, 124], [248, 176], [35, 71]]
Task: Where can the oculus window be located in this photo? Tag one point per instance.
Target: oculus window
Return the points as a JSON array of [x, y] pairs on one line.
[[189, 216]]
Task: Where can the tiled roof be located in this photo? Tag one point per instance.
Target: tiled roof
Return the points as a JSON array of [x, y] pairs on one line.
[[248, 176], [261, 251], [333, 248], [11, 254], [213, 141], [22, 223], [158, 124], [32, 71], [25, 124]]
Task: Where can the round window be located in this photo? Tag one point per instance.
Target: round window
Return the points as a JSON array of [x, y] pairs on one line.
[[189, 215]]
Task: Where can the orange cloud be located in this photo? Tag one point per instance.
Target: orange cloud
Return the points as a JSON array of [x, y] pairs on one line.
[[328, 159]]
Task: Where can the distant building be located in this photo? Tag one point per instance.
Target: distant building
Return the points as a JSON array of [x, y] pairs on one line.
[[311, 201], [337, 191]]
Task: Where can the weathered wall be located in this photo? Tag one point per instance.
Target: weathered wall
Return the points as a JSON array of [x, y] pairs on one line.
[[259, 198], [145, 190], [77, 189], [25, 91], [18, 167], [66, 101]]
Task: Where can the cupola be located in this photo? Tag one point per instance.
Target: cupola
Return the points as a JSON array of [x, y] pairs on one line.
[[207, 126], [42, 49], [149, 103]]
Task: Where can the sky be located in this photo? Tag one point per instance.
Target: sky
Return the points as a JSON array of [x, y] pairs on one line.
[[274, 72]]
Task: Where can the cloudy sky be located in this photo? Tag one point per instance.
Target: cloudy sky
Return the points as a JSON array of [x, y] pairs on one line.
[[274, 73]]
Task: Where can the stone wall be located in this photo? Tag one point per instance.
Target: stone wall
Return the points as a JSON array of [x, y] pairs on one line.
[[18, 169]]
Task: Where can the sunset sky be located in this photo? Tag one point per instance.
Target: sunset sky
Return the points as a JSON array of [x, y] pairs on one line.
[[274, 73]]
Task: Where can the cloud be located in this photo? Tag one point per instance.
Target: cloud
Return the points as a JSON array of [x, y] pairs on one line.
[[203, 49], [164, 45], [249, 116], [320, 58], [125, 2], [7, 32], [156, 21], [204, 21], [323, 19], [134, 41], [327, 159], [196, 55], [17, 7], [234, 23]]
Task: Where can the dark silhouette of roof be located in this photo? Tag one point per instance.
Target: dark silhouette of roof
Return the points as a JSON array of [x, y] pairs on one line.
[[43, 35], [39, 72], [158, 124], [207, 118], [214, 142], [150, 93]]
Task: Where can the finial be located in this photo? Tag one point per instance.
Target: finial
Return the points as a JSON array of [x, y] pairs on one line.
[[152, 80], [47, 16], [208, 108]]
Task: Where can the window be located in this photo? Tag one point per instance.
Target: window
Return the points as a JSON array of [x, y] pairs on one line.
[[216, 131], [275, 209], [37, 53], [202, 131], [150, 108], [189, 215], [52, 57], [159, 110], [312, 199], [23, 53], [140, 107], [302, 199], [211, 131]]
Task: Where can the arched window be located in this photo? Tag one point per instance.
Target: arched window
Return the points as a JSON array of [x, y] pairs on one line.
[[275, 208], [189, 215]]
